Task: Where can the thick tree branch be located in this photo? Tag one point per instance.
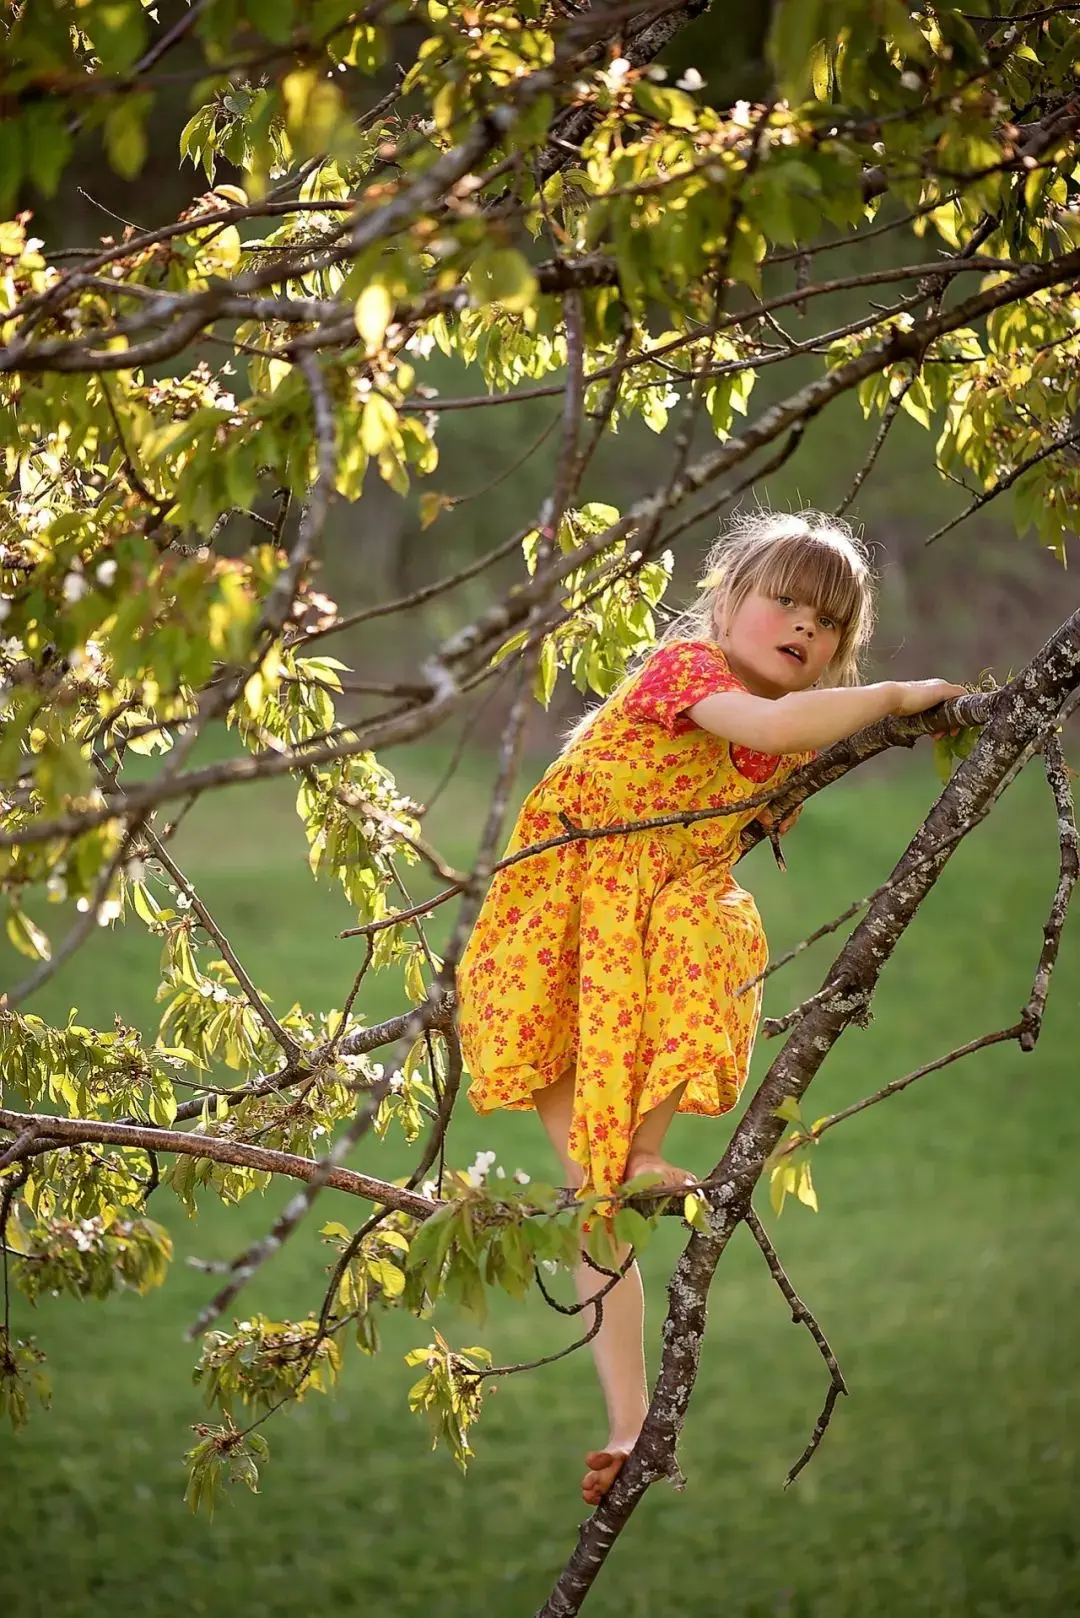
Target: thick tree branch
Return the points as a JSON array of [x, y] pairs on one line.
[[1019, 722]]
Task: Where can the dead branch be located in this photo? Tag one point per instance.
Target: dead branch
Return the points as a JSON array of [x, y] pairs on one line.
[[801, 1315]]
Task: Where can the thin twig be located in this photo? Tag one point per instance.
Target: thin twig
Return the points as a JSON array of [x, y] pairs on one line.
[[416, 597], [244, 1267], [895, 1086], [596, 1301], [1062, 441], [801, 1315], [280, 1035], [892, 410], [1057, 774], [78, 933]]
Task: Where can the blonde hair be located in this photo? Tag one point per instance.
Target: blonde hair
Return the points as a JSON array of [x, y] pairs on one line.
[[809, 555]]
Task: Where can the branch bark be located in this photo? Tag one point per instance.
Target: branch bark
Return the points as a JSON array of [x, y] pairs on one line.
[[1019, 722]]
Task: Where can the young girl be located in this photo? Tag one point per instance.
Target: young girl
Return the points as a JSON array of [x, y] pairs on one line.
[[599, 984]]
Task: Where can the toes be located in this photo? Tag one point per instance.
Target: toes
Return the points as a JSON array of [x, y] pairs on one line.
[[604, 1467]]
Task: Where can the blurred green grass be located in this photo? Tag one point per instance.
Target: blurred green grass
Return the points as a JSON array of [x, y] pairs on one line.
[[940, 1265]]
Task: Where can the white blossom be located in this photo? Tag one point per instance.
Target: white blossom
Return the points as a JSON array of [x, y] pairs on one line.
[[477, 1173], [911, 81], [74, 586], [108, 911], [691, 80], [105, 572], [521, 1177], [183, 901], [135, 870], [618, 68]]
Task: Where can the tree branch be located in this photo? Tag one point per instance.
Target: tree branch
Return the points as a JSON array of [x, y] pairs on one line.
[[1018, 724], [1057, 774], [801, 1315]]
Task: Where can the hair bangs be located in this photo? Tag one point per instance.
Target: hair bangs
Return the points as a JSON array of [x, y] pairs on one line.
[[812, 569]]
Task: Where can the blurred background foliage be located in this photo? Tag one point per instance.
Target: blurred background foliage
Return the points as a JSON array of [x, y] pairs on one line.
[[941, 1263]]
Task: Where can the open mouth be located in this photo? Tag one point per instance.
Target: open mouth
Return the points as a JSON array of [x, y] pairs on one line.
[[796, 653]]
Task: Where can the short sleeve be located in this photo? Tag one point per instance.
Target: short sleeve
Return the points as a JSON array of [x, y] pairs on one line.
[[673, 679], [758, 767]]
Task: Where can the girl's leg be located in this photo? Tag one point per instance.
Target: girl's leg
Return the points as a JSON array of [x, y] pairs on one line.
[[619, 1346], [645, 1148]]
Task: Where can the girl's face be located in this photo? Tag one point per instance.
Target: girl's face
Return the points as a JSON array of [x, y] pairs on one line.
[[776, 644]]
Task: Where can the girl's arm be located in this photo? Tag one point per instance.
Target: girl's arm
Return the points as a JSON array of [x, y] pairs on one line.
[[806, 720]]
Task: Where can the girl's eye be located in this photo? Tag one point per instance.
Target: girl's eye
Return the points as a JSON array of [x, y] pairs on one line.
[[827, 622], [785, 601]]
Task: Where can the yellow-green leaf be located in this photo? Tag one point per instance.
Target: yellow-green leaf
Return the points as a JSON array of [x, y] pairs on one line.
[[373, 313], [27, 936], [503, 275]]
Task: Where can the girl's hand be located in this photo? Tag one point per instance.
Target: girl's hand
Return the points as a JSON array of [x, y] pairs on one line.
[[914, 696]]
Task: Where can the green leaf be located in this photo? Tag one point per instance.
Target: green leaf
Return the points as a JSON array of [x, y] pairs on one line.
[[672, 107], [48, 145], [125, 134], [798, 26], [944, 761], [378, 424], [634, 1228], [503, 275], [143, 900], [547, 672], [163, 1108], [804, 1187], [373, 313], [274, 18], [783, 1179], [27, 936], [12, 157]]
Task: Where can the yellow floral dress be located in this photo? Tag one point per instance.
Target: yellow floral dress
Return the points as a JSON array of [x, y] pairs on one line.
[[619, 957]]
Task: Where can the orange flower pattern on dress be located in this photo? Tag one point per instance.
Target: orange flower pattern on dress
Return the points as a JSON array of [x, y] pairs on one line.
[[619, 957]]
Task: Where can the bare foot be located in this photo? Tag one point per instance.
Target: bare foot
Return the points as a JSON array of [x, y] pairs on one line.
[[650, 1163], [604, 1467]]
